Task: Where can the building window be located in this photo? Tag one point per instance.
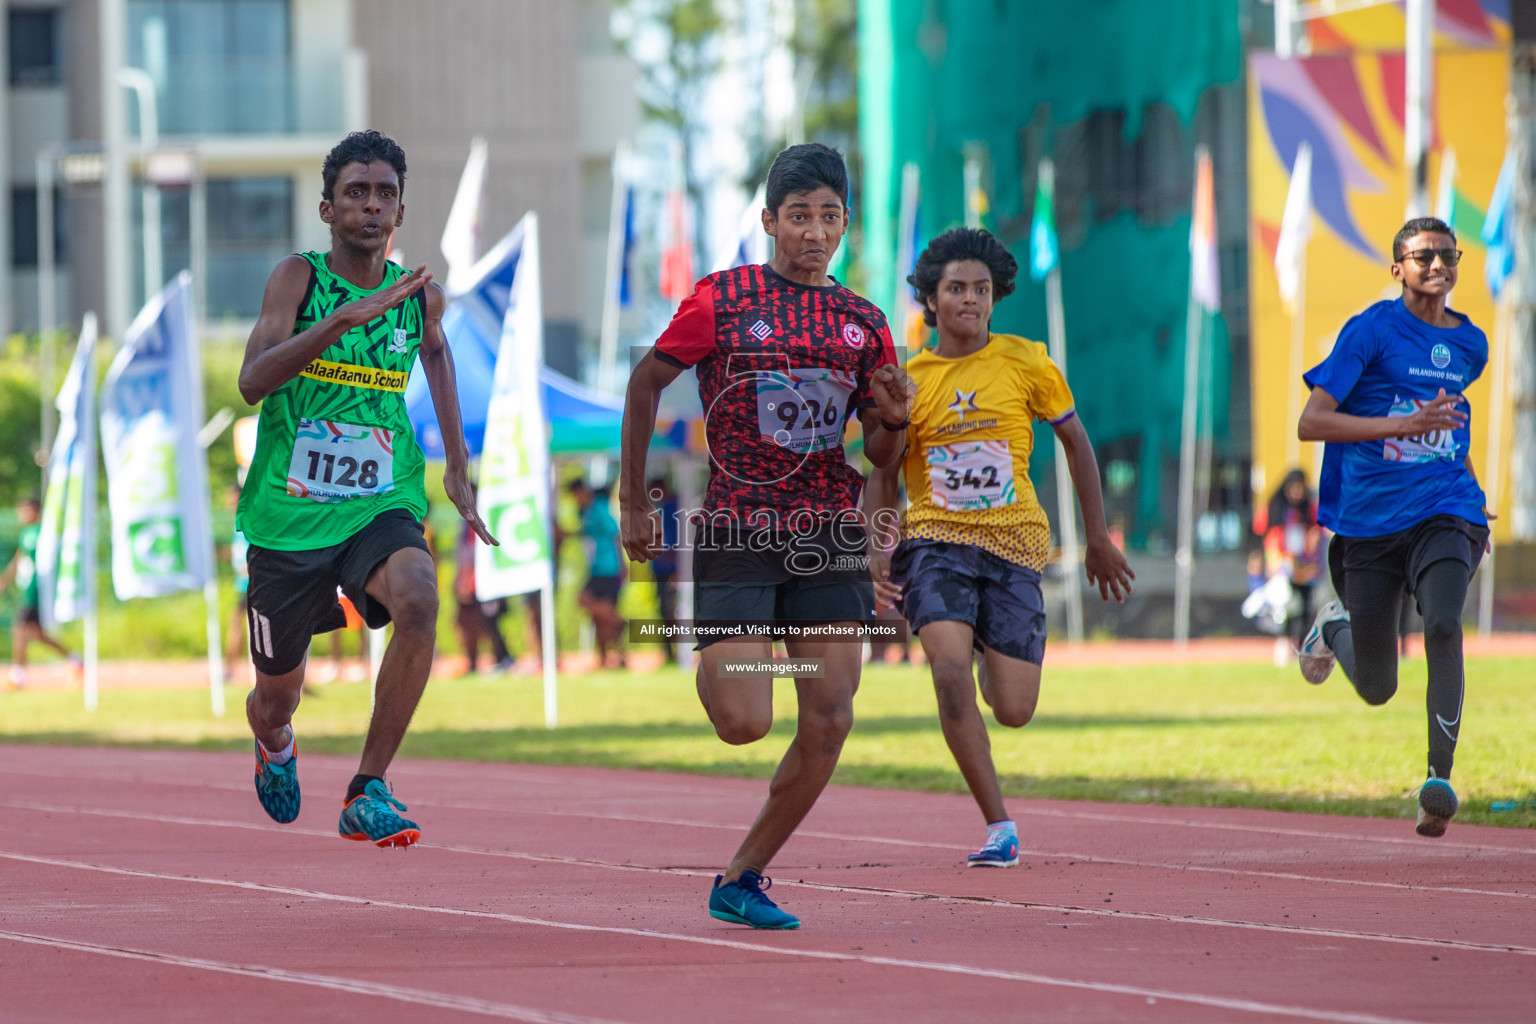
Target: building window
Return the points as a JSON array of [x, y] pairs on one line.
[[220, 67], [35, 51], [24, 236]]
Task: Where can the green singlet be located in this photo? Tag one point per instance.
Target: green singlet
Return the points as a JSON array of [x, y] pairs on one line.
[[334, 445]]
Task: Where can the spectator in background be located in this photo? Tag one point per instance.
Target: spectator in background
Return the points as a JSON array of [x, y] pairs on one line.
[[664, 565], [476, 619], [605, 567], [1293, 546]]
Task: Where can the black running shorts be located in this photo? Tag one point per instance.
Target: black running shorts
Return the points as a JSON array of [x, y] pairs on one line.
[[293, 593], [809, 578], [1001, 601], [1407, 553]]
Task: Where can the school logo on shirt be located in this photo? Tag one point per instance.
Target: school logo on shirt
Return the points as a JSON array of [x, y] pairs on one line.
[[853, 335], [1440, 355], [400, 341], [965, 401]]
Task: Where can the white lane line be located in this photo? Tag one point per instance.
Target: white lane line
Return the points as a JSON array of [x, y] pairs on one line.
[[1053, 854], [832, 836], [1219, 1002], [890, 893], [351, 986], [1268, 830], [1423, 845]]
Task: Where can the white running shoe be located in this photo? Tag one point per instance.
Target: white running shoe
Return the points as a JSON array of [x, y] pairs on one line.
[[1314, 655]]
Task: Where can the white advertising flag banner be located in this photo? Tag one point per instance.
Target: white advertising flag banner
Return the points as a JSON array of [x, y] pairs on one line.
[[514, 464], [69, 508], [157, 473]]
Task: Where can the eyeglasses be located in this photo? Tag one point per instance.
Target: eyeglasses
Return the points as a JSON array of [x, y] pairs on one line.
[[1424, 257]]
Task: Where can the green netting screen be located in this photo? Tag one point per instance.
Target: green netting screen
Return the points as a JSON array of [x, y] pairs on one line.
[[1117, 93]]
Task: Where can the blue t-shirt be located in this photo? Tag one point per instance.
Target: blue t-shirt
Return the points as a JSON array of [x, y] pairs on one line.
[[598, 523], [1388, 362]]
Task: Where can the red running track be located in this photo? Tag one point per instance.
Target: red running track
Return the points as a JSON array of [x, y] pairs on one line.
[[149, 886]]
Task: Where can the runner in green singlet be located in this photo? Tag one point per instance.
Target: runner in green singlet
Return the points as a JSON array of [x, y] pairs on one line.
[[336, 491]]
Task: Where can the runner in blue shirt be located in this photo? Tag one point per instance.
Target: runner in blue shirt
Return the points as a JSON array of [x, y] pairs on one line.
[[1399, 492]]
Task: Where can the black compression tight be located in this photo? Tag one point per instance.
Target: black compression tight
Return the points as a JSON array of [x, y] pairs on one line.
[[1366, 646]]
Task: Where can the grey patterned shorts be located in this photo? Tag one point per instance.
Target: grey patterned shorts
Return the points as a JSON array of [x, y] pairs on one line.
[[1000, 600]]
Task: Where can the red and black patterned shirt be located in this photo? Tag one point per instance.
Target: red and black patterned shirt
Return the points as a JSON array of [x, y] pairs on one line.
[[781, 367]]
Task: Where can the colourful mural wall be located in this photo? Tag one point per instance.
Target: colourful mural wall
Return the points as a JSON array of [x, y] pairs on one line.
[[1346, 100]]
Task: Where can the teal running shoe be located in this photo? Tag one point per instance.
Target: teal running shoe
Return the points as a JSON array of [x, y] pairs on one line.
[[1001, 851], [1437, 806], [277, 785], [743, 902], [371, 818]]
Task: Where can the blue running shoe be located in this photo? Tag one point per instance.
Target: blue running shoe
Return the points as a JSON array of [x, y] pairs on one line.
[[277, 785], [1437, 806], [1001, 851], [371, 818], [743, 902]]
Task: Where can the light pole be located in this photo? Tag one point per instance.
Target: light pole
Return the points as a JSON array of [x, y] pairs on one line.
[[47, 298], [143, 87]]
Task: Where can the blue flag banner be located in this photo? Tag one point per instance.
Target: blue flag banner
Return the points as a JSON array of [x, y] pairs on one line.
[[1498, 228], [1044, 252]]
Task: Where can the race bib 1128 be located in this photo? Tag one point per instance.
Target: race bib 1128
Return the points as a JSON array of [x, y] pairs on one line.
[[334, 462], [971, 476]]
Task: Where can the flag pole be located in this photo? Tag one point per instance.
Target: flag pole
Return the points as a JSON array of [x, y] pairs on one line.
[[1183, 553], [1497, 392], [608, 348], [1066, 514], [551, 655], [906, 227], [1298, 358], [1418, 87], [88, 527]]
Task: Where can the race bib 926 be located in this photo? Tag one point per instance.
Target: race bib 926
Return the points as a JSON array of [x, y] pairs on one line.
[[335, 462], [804, 410]]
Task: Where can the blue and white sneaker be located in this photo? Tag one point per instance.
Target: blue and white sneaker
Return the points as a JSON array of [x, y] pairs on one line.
[[277, 785], [1437, 806], [1314, 656], [744, 902], [371, 818], [1001, 851]]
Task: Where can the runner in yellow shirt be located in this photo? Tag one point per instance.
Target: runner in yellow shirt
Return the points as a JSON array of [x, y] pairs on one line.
[[974, 538]]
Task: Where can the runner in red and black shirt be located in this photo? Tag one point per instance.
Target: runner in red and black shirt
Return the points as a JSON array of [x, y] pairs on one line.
[[785, 356]]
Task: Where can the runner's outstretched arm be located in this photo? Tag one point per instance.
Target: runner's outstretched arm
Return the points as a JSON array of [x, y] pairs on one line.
[[1105, 564], [639, 523], [437, 364], [273, 357]]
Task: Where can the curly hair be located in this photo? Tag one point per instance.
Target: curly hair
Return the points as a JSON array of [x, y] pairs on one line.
[[360, 148], [961, 244]]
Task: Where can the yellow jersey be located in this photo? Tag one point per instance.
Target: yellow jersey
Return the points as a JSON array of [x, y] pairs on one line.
[[968, 447]]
